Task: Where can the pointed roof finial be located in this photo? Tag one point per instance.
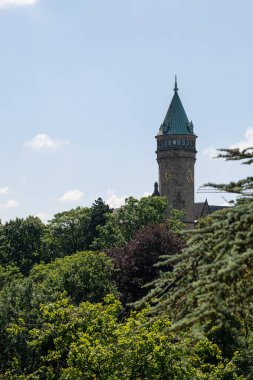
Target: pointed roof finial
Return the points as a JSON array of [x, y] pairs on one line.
[[156, 191], [176, 88]]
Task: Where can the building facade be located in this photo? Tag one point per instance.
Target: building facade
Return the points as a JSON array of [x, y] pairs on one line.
[[176, 156]]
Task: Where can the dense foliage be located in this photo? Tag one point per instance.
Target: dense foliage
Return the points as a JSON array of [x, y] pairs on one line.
[[74, 230], [211, 287], [83, 276], [89, 342], [61, 315], [21, 242], [26, 242], [136, 260], [122, 225]]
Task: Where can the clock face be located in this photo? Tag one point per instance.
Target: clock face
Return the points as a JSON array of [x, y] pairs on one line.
[[167, 176], [190, 176]]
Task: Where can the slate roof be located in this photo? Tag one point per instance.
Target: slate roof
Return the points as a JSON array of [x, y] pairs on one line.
[[203, 208], [176, 121], [214, 208], [198, 210]]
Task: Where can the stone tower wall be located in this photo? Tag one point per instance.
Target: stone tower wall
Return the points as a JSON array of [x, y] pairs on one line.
[[176, 156]]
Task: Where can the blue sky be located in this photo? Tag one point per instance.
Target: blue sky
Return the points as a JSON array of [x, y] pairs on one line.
[[85, 85]]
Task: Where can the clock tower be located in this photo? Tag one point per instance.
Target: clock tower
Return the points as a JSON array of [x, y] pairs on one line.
[[176, 156]]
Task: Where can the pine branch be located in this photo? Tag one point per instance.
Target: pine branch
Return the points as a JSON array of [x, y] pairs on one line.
[[236, 154]]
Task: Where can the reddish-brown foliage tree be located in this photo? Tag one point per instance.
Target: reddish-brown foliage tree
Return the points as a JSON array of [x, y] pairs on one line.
[[135, 261]]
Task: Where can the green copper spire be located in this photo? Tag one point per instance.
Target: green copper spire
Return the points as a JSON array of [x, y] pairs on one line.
[[176, 121]]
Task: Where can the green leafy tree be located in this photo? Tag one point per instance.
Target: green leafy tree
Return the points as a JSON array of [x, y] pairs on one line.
[[124, 222], [21, 242], [174, 221], [89, 342], [15, 305], [83, 276], [67, 233]]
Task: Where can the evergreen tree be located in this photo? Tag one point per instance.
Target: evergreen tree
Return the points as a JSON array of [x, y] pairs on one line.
[[98, 217], [211, 285], [243, 187]]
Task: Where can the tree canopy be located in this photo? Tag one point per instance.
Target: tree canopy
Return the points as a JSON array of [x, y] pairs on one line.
[[210, 287], [60, 317], [123, 223], [90, 342], [83, 276], [21, 242], [136, 260]]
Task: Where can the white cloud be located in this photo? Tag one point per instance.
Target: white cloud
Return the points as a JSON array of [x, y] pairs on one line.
[[210, 152], [248, 143], [243, 144], [44, 217], [4, 190], [16, 3], [11, 203], [114, 201], [72, 196], [43, 142]]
